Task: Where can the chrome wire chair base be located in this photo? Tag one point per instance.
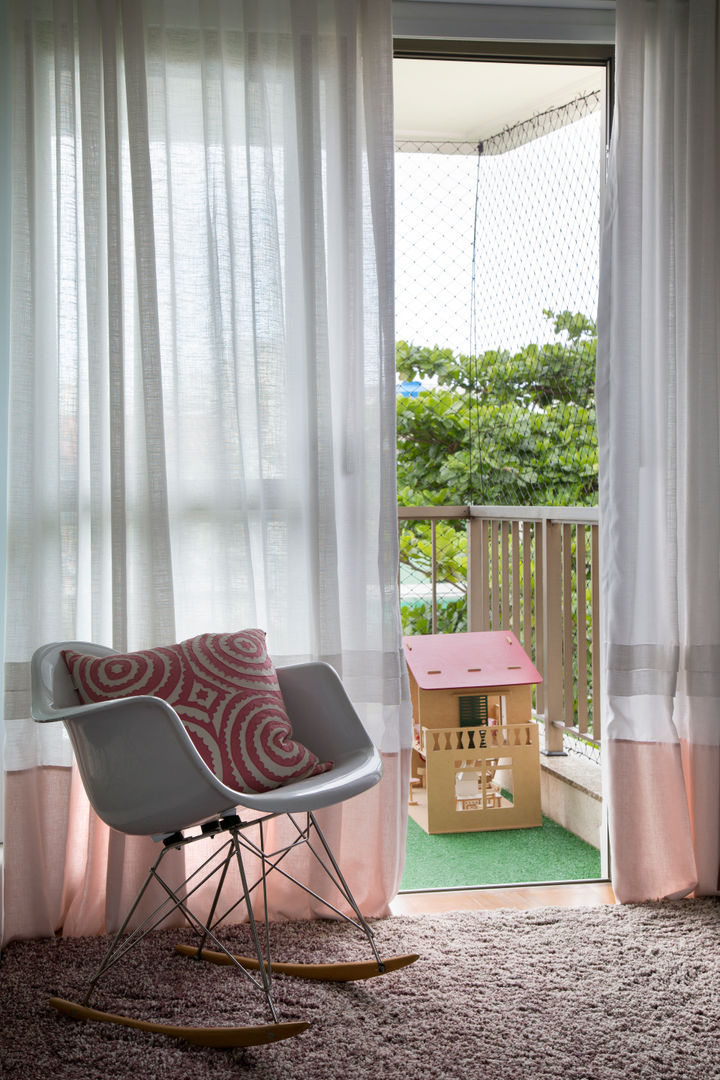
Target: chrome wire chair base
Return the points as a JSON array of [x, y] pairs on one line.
[[234, 840]]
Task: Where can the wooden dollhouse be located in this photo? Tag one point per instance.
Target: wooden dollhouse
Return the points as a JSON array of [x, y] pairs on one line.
[[476, 748]]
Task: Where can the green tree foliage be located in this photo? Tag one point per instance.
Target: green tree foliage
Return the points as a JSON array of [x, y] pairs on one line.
[[501, 428]]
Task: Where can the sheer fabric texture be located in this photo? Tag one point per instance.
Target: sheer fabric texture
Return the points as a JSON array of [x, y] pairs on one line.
[[202, 388], [659, 427]]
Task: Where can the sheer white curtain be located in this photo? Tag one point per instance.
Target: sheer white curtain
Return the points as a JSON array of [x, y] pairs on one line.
[[659, 426], [202, 385]]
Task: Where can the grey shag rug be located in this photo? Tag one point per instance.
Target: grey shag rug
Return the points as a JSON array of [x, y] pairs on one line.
[[568, 994]]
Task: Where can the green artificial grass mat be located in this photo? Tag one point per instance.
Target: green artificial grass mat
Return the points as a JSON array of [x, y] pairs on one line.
[[499, 857]]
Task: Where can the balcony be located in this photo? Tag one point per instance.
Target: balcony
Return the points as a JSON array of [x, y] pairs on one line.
[[534, 571], [496, 290]]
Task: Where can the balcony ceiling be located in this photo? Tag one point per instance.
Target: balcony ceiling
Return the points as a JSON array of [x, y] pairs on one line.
[[469, 101]]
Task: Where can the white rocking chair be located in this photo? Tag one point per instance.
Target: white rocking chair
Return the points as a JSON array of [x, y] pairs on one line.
[[143, 776]]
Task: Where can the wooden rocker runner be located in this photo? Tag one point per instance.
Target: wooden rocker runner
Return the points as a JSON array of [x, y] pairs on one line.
[[143, 776]]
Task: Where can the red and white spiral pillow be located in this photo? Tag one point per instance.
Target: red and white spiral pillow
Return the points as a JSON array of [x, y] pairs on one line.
[[224, 689]]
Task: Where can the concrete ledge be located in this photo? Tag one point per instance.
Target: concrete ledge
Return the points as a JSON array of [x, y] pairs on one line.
[[571, 794]]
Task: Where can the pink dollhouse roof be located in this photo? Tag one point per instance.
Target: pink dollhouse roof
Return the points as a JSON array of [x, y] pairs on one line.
[[477, 660]]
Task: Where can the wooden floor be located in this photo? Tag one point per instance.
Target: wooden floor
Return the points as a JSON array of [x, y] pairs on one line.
[[521, 897]]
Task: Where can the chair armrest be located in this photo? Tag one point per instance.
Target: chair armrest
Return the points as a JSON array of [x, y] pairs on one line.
[[95, 708], [322, 716]]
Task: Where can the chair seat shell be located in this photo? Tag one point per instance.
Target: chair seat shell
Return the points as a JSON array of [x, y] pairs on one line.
[[143, 775]]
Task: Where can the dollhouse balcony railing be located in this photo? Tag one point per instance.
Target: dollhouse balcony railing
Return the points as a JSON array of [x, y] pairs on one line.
[[531, 570]]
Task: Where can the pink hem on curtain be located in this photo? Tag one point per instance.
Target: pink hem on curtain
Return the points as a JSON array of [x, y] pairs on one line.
[[67, 873], [701, 767], [664, 815]]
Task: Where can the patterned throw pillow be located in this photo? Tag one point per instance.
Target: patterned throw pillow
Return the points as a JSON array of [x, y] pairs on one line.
[[224, 689]]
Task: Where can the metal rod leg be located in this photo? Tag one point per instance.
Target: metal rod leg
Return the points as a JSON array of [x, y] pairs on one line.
[[209, 921], [108, 955], [266, 909], [346, 889], [265, 973]]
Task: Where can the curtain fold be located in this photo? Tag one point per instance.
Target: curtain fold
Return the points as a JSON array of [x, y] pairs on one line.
[[202, 386], [658, 396]]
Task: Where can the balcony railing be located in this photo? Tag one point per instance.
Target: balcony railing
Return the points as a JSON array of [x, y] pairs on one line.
[[531, 570]]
